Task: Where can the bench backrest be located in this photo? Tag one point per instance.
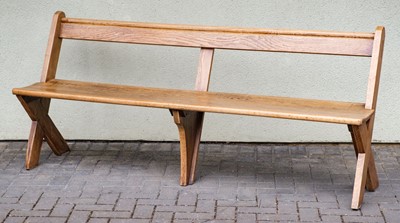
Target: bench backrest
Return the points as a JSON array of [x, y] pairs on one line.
[[210, 38]]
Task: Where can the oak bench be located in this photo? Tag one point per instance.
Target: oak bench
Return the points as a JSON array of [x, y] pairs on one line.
[[188, 106]]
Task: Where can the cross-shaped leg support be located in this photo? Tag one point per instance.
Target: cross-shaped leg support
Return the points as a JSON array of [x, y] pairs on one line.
[[366, 176], [42, 127]]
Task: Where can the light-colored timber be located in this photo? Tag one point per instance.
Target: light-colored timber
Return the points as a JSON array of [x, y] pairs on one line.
[[230, 103], [49, 70], [189, 106], [318, 44]]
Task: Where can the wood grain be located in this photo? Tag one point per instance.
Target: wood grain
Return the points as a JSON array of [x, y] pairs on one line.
[[267, 106], [190, 123], [361, 144], [217, 28], [318, 44], [204, 69], [36, 111], [36, 135], [375, 69], [53, 49], [34, 146], [189, 126], [361, 135]]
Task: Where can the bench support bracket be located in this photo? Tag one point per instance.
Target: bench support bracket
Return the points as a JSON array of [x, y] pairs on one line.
[[42, 127], [189, 124], [366, 176]]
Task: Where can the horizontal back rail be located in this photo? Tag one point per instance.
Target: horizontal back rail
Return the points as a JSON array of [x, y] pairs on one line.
[[297, 41]]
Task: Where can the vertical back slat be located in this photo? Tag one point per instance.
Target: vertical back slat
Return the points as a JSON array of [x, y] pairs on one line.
[[204, 69], [375, 70], [53, 49]]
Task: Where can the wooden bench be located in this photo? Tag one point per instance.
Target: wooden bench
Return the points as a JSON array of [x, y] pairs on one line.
[[188, 106]]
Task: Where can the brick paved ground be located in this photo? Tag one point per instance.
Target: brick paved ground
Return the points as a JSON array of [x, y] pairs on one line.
[[138, 182]]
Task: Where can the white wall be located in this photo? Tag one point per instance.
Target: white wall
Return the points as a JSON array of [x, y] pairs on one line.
[[24, 27]]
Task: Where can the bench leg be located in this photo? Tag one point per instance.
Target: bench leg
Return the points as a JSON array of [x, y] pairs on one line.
[[189, 125], [42, 127], [366, 176], [35, 141]]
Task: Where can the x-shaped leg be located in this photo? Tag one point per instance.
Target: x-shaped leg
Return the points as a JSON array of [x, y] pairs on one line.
[[42, 127], [366, 176]]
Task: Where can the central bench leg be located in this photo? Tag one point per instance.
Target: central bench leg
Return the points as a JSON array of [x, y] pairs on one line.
[[42, 127], [189, 124], [366, 176]]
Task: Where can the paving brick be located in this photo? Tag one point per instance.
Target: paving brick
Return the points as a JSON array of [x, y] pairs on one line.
[[98, 220], [130, 220], [168, 193], [194, 216], [143, 211], [30, 197], [320, 205], [78, 216], [331, 218], [108, 199], [29, 213], [309, 214], [9, 200], [362, 219], [16, 192], [256, 210], [287, 207], [205, 206], [125, 205], [92, 207], [155, 202], [45, 220], [278, 217], [187, 198], [81, 200], [111, 214], [62, 210], [236, 203], [246, 193], [45, 203], [370, 209], [341, 211], [176, 208], [391, 216], [226, 213], [162, 216], [15, 220], [244, 218]]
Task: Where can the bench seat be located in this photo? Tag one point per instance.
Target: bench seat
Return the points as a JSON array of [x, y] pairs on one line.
[[231, 103]]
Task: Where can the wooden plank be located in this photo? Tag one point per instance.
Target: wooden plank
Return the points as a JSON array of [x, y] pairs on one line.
[[359, 181], [204, 69], [218, 28], [375, 69], [34, 146], [318, 44], [267, 106], [53, 49]]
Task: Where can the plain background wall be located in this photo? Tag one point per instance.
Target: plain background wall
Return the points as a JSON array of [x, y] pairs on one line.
[[24, 28]]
